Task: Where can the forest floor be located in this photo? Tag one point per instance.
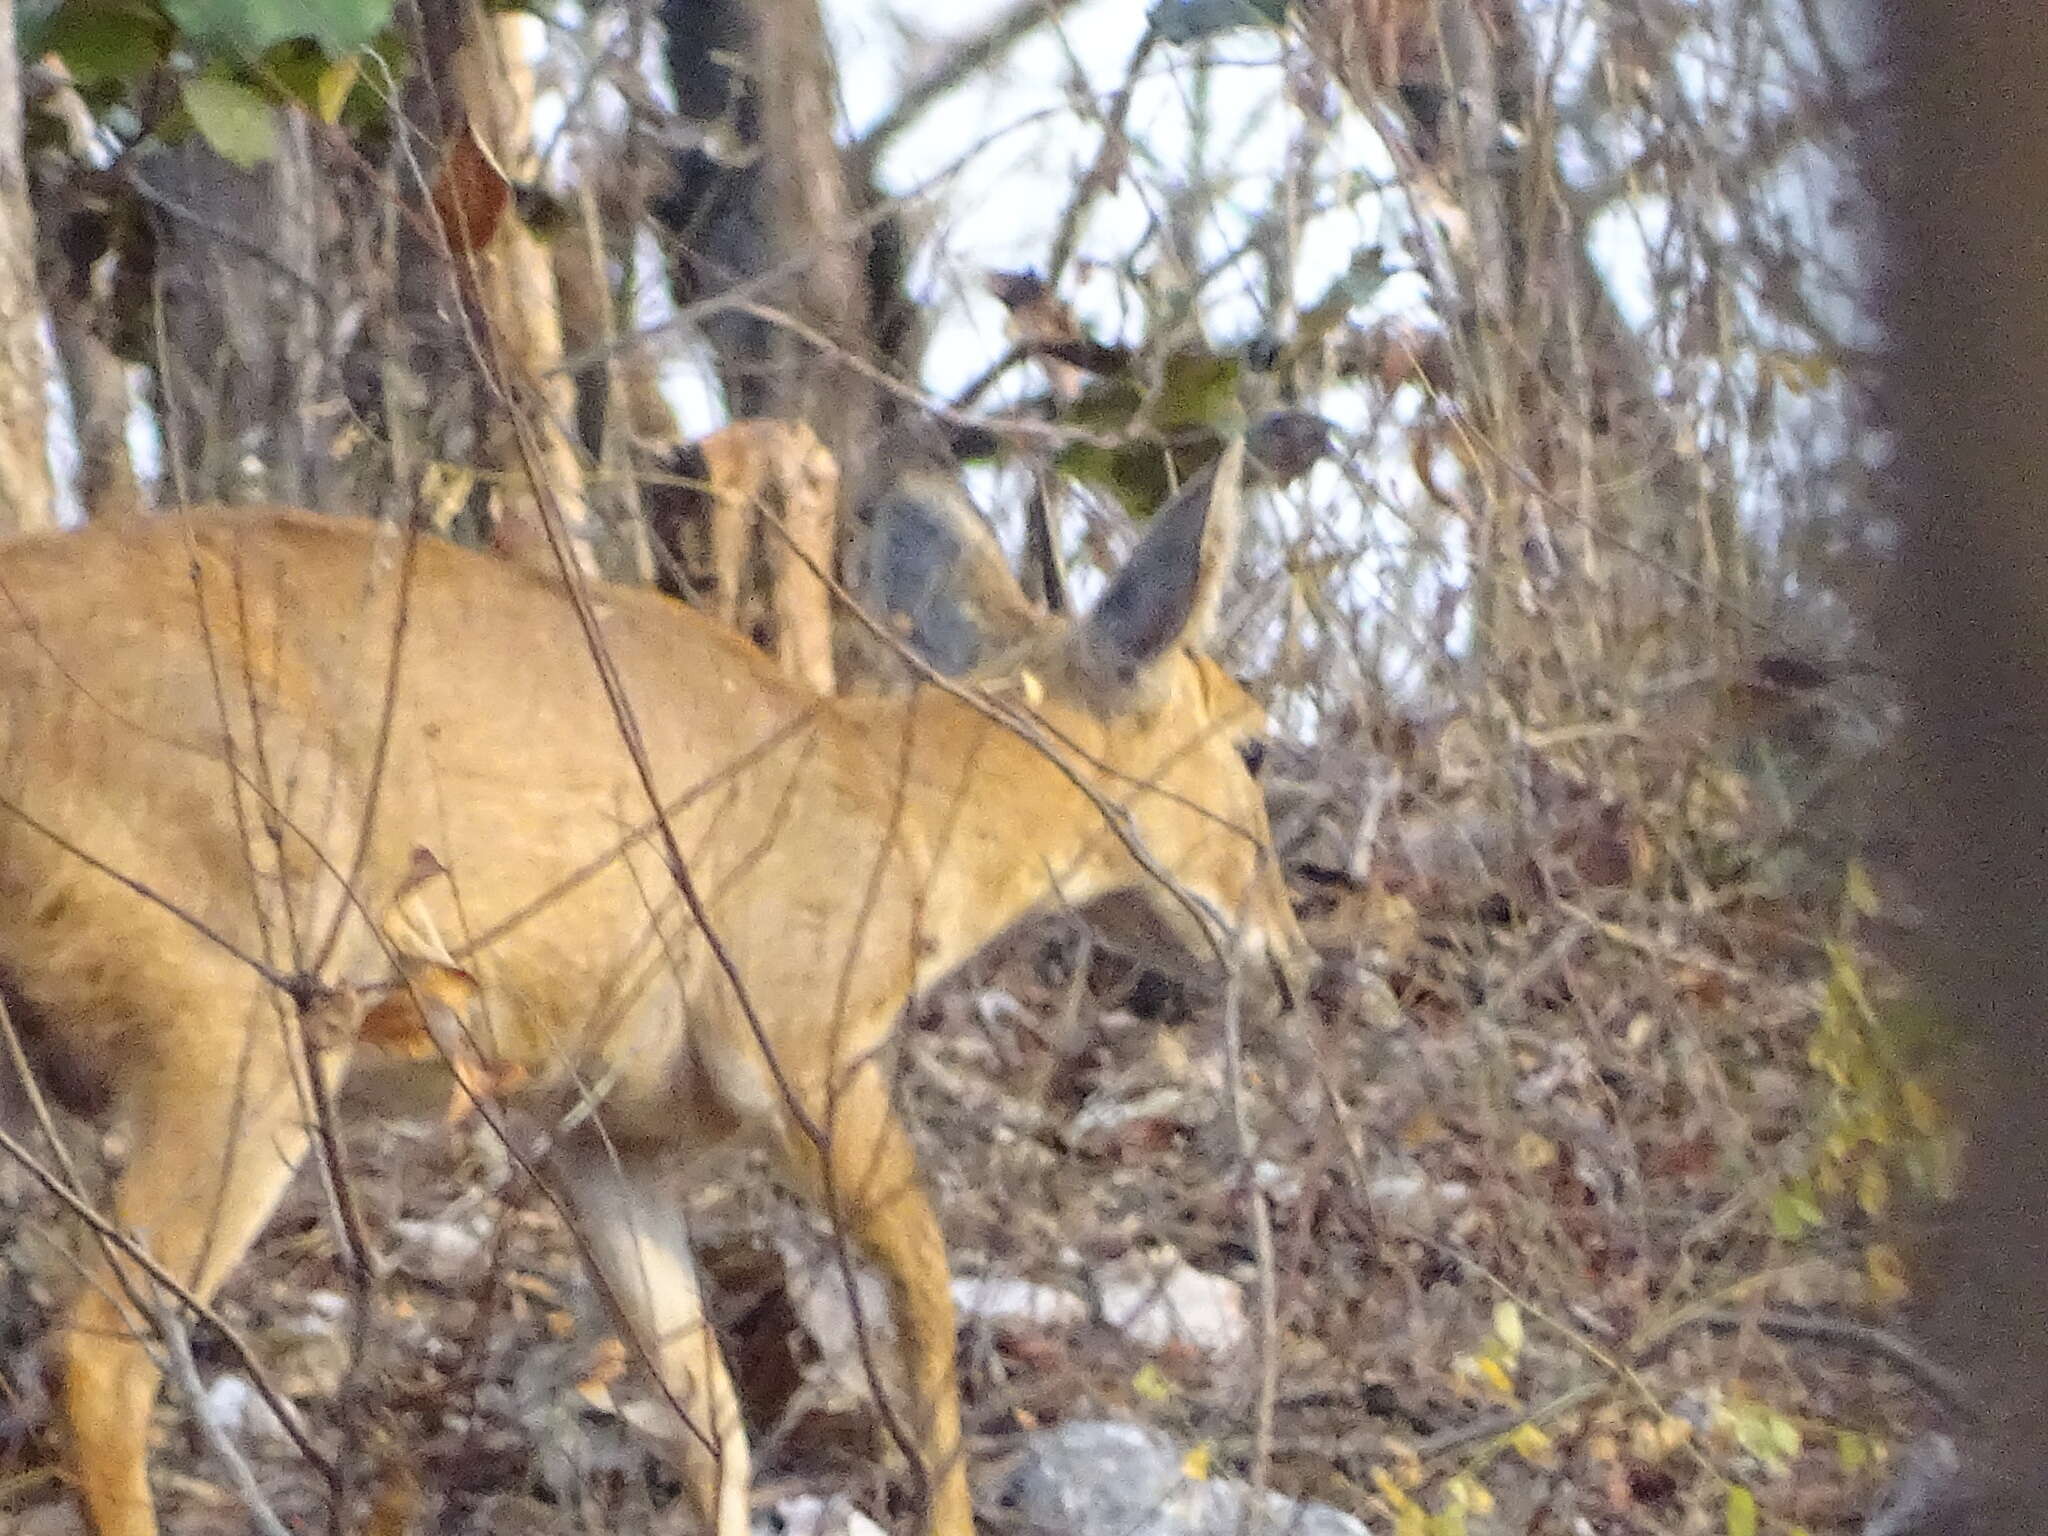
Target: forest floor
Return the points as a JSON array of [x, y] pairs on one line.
[[1581, 1162]]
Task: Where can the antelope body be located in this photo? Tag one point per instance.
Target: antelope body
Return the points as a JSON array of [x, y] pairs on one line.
[[230, 743]]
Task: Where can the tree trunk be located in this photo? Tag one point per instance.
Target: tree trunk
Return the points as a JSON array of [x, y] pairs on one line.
[[529, 438], [240, 345], [622, 419], [69, 239], [820, 380], [764, 208], [1960, 170], [27, 494], [765, 203], [97, 382]]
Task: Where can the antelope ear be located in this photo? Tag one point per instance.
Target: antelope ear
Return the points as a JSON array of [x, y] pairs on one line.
[[1165, 596], [931, 569]]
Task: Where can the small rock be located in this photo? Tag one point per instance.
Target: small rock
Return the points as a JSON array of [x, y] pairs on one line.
[[1096, 1126], [1415, 1201], [331, 1305], [448, 1253], [1697, 1408], [1277, 1181], [996, 1009], [1775, 1088], [310, 1350], [234, 1406], [1006, 1301], [809, 1515], [59, 1517], [818, 1294], [1112, 1479], [1159, 1300], [1929, 1490]]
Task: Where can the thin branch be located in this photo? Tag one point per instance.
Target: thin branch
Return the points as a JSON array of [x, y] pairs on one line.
[[967, 57], [1106, 156], [184, 1372], [1268, 1341], [1936, 1380]]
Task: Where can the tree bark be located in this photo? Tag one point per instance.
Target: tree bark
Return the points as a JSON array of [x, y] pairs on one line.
[[1960, 170], [240, 346], [820, 379], [529, 440], [28, 499], [68, 253], [765, 202], [97, 382], [623, 421]]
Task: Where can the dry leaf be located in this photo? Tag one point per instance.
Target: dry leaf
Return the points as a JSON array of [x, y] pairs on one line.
[[1533, 1445], [1423, 1129], [470, 193]]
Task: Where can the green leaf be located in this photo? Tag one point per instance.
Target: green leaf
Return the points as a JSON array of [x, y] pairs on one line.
[[33, 19], [1190, 21], [292, 70], [1507, 1327], [1152, 1384], [346, 25], [1196, 389], [1741, 1516], [1766, 1434], [101, 43], [251, 27], [1794, 1211], [383, 63], [232, 118], [336, 86], [1106, 405], [1852, 1451]]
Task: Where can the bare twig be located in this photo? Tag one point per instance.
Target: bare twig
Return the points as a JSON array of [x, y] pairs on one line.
[[967, 57], [1268, 1339], [184, 1373]]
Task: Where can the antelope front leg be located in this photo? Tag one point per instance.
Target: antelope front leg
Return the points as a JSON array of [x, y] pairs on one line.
[[626, 1205], [216, 1136], [865, 1177]]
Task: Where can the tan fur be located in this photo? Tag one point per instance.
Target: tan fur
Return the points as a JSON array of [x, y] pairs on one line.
[[200, 704]]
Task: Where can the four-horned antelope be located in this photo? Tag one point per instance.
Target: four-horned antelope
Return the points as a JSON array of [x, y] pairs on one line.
[[689, 896]]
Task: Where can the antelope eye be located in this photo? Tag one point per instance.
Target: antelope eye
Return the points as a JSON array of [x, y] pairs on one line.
[[1254, 754]]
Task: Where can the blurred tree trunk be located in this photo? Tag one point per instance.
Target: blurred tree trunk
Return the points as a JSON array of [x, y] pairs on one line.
[[765, 202], [622, 419], [528, 440], [97, 382], [73, 231], [818, 381], [28, 500], [241, 335], [1961, 171], [767, 208]]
